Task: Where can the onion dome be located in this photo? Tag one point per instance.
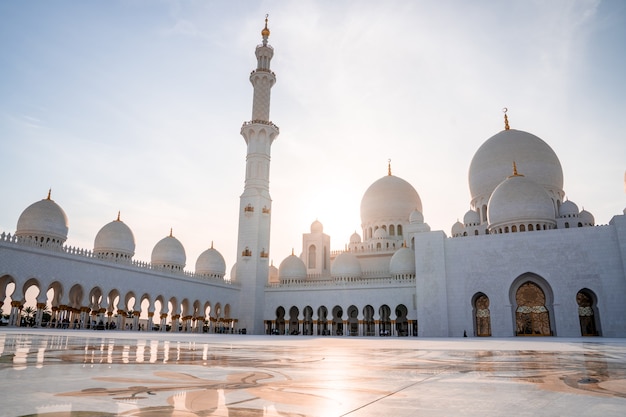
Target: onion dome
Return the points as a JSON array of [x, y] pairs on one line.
[[355, 238], [520, 201], [115, 241], [380, 233], [471, 218], [43, 223], [568, 209], [346, 265], [211, 263], [402, 262], [169, 253], [492, 163], [317, 227], [273, 274], [458, 229], [586, 218], [389, 199], [233, 272], [416, 217], [292, 268]]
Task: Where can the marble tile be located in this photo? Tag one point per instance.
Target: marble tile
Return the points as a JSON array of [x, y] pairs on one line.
[[52, 373]]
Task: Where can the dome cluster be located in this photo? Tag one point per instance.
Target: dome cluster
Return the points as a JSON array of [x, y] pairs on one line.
[[505, 201], [45, 224]]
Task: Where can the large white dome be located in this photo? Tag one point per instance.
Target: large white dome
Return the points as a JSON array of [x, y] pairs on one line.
[[402, 262], [113, 239], [520, 200], [169, 253], [43, 221], [346, 265], [492, 164], [292, 268], [211, 263], [389, 199]]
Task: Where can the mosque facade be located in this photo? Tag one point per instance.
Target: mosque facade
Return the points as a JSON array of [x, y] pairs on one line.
[[525, 261]]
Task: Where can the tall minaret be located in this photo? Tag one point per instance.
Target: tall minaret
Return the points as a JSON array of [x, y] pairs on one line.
[[255, 203]]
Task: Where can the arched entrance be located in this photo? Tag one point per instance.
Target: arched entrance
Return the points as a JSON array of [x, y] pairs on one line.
[[353, 321], [294, 324], [531, 315], [587, 316], [337, 321], [280, 321], [402, 324], [385, 320], [307, 325], [369, 325], [322, 321], [482, 315]]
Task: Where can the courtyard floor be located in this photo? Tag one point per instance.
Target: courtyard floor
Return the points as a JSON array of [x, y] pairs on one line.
[[65, 373]]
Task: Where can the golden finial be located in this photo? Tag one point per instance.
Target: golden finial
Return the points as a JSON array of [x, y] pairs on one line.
[[265, 32], [171, 230], [388, 166], [118, 216], [49, 193], [292, 252], [211, 244], [506, 119], [515, 173]]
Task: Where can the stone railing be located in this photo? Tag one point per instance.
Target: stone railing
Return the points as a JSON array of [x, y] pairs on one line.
[[406, 279]]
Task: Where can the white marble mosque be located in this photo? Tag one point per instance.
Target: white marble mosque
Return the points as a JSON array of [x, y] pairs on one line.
[[525, 261]]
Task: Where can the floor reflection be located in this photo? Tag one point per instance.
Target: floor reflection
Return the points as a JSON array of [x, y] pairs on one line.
[[69, 375]]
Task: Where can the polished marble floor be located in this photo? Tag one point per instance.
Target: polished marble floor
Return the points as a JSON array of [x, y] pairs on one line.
[[65, 373]]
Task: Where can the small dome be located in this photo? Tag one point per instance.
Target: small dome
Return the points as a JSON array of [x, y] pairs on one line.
[[211, 263], [346, 265], [471, 218], [292, 268], [416, 217], [402, 262], [233, 272], [317, 227], [458, 229], [355, 238], [587, 218], [43, 221], [389, 199], [492, 163], [380, 233], [113, 239], [568, 209], [169, 253], [518, 199]]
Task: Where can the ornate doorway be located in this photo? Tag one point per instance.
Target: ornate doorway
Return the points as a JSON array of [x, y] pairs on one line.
[[586, 315], [531, 316], [482, 315]]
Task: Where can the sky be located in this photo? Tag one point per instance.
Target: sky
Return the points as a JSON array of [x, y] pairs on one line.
[[136, 106]]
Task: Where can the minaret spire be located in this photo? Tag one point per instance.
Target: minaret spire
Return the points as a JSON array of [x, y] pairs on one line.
[[253, 245]]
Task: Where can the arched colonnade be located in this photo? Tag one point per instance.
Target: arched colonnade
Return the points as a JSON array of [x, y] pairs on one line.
[[34, 303]]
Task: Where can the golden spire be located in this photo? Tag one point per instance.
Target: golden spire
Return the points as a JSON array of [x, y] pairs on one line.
[[171, 230], [118, 216], [515, 173], [292, 252], [265, 32], [506, 119], [211, 244], [49, 193], [388, 166]]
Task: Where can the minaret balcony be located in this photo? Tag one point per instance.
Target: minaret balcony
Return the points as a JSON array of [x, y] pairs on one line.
[[262, 122]]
